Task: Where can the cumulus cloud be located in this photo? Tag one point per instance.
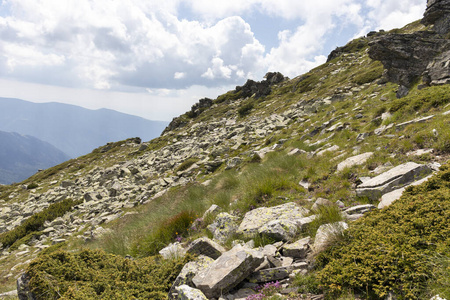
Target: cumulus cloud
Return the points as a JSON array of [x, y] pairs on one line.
[[174, 44]]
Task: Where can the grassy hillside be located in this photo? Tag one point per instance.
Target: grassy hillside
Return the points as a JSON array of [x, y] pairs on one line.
[[236, 152]]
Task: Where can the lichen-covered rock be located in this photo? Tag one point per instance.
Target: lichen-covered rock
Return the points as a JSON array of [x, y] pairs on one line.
[[255, 219], [223, 226], [23, 289], [206, 247], [273, 274], [172, 251], [187, 293], [326, 234], [228, 271], [279, 230], [298, 249], [188, 272]]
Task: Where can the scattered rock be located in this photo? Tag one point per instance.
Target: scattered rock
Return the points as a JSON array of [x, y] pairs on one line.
[[392, 179], [228, 271], [255, 219], [207, 247], [354, 161], [298, 249], [326, 234]]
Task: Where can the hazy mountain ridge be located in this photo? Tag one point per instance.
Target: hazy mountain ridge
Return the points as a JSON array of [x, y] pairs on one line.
[[22, 156], [74, 130]]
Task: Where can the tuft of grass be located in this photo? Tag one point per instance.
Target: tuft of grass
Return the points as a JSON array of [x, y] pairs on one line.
[[186, 164], [324, 215], [374, 72], [169, 231]]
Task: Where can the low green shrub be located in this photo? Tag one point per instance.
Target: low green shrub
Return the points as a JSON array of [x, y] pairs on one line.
[[32, 185], [94, 274], [187, 164], [36, 221], [245, 109], [389, 250], [307, 283]]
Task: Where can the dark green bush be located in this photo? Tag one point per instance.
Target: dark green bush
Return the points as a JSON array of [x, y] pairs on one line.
[[187, 164], [36, 221], [391, 249], [32, 186], [94, 274], [245, 109]]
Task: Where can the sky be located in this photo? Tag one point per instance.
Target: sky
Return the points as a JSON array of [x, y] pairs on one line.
[[155, 59]]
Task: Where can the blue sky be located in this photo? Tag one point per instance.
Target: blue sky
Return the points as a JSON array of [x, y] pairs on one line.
[[157, 58]]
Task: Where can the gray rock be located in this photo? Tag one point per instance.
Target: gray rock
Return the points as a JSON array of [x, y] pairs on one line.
[[326, 234], [354, 161], [393, 179], [359, 209], [279, 230], [213, 209], [279, 273], [172, 251], [321, 202], [223, 226], [187, 293], [298, 249], [389, 198], [188, 272], [228, 271], [206, 247], [255, 219], [23, 289]]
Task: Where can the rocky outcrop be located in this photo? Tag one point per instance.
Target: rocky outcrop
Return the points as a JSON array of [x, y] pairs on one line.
[[438, 14], [262, 88], [406, 57]]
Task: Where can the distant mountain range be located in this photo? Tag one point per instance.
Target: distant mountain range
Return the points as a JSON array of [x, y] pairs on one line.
[[72, 129], [21, 156]]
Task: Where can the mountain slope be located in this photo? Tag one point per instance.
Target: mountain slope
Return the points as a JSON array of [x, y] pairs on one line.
[[74, 130], [22, 156], [308, 144]]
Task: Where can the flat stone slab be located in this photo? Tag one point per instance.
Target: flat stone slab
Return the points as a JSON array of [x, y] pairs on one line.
[[230, 269], [393, 179], [206, 247], [255, 219], [359, 209], [298, 249], [273, 274], [354, 161], [391, 197]]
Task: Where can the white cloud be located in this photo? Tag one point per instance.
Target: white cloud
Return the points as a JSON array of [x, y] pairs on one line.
[[391, 14], [165, 46], [179, 75]]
